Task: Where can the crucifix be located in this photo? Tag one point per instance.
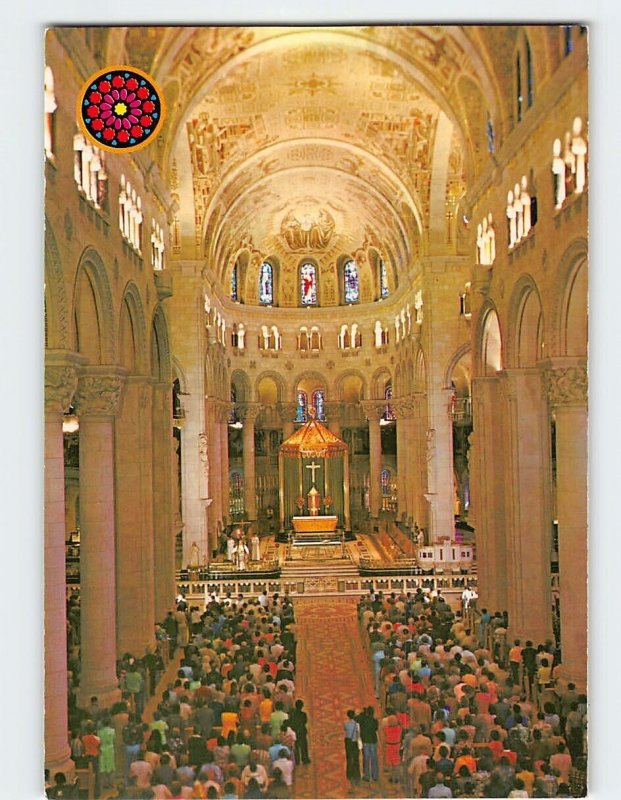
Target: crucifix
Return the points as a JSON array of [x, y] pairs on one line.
[[312, 466]]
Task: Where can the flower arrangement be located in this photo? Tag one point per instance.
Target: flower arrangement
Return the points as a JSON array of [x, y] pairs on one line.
[[299, 501]]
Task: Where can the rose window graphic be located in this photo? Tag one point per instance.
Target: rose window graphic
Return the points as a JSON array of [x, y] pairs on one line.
[[121, 108]]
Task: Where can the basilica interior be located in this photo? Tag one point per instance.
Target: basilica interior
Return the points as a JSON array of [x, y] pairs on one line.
[[352, 251]]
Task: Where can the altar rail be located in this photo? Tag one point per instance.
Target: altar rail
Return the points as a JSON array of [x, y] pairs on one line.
[[451, 586]]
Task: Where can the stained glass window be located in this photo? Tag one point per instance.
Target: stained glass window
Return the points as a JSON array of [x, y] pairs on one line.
[[352, 282], [300, 411], [389, 414], [385, 479], [383, 279], [234, 283], [266, 284], [318, 402], [530, 83], [308, 284], [518, 87]]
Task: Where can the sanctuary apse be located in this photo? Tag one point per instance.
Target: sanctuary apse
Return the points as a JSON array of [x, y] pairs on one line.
[[384, 224]]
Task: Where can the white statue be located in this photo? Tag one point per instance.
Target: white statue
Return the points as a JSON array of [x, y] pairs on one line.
[[511, 218], [519, 216], [570, 165], [525, 200], [480, 245], [558, 170], [194, 555], [491, 239], [579, 150], [378, 334]]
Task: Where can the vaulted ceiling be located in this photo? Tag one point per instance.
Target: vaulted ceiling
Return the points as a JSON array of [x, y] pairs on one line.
[[295, 141]]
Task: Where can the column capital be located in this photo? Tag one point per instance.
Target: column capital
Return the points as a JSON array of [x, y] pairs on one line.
[[333, 410], [99, 391], [222, 410], [403, 407], [567, 382], [373, 409], [249, 412], [286, 411], [61, 379]]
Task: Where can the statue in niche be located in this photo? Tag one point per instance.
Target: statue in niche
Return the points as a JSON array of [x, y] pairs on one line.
[[579, 150], [525, 201], [558, 170], [570, 165], [194, 556], [519, 215], [511, 218]]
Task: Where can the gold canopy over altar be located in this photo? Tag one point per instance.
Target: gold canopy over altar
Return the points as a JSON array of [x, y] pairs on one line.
[[313, 467]]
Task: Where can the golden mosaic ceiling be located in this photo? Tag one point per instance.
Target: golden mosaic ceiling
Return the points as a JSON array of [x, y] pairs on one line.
[[287, 141]]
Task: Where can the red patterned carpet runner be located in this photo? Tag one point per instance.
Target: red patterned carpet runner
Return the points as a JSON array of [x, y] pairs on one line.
[[333, 674]]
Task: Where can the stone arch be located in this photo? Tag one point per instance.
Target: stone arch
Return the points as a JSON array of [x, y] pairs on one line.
[[179, 374], [525, 329], [92, 290], [312, 378], [380, 378], [58, 334], [419, 375], [241, 382], [454, 360], [161, 366], [571, 317], [278, 380], [489, 350], [133, 304], [341, 379]]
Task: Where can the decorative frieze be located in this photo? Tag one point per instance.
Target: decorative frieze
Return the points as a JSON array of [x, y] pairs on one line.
[[99, 395], [567, 386]]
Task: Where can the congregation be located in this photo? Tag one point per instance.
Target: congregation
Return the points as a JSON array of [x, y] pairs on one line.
[[463, 714], [229, 726]]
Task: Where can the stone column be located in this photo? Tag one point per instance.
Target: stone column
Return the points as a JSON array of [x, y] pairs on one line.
[[249, 413], [567, 395], [373, 411], [529, 526], [134, 518], [440, 477], [403, 409], [60, 384], [97, 402], [488, 491], [416, 429], [163, 511], [223, 413]]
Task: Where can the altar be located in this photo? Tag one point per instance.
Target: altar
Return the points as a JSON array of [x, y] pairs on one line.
[[314, 487], [313, 525]]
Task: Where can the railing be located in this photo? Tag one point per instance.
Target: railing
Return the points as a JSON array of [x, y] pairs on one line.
[[461, 409], [451, 586]]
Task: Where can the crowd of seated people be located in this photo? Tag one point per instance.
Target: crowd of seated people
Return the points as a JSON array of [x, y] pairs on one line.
[[463, 716], [230, 724]]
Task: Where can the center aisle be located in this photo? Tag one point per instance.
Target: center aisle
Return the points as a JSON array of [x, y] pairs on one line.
[[333, 674]]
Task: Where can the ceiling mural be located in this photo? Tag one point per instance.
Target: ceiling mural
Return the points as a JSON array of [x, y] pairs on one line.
[[302, 140]]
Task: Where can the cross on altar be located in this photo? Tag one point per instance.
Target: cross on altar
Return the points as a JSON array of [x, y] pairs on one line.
[[312, 466]]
